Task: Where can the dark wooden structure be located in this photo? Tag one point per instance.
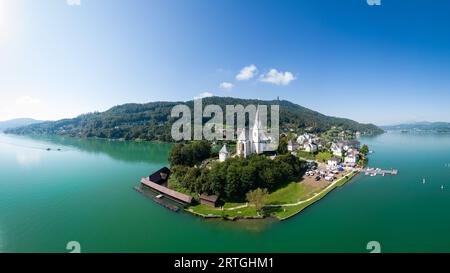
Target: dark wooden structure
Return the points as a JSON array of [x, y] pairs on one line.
[[157, 200], [160, 176], [209, 200]]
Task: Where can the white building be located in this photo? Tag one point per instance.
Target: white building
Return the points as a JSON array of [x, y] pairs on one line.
[[311, 147], [254, 141], [333, 162], [224, 154], [351, 158], [292, 146], [337, 149], [340, 147], [303, 138]]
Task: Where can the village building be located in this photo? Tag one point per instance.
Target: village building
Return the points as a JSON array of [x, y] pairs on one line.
[[337, 149], [292, 146], [340, 147], [224, 154], [311, 147], [333, 162], [303, 138], [351, 158], [350, 144]]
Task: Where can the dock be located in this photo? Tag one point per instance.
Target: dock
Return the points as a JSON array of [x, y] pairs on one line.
[[374, 172], [179, 197], [156, 199]]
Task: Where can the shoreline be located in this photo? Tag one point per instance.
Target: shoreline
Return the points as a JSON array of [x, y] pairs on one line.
[[297, 207]]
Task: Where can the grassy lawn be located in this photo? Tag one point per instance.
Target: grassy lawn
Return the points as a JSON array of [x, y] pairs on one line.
[[286, 212], [306, 155], [292, 193], [218, 212], [323, 157]]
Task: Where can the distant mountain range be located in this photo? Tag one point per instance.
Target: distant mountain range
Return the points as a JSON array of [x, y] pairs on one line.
[[13, 123], [442, 127], [152, 121]]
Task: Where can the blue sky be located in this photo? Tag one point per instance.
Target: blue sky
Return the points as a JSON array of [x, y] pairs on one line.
[[382, 64]]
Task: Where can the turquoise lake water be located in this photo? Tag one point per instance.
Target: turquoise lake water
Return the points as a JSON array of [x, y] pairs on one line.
[[84, 193]]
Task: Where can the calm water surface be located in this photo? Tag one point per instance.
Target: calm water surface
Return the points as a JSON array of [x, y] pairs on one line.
[[84, 193]]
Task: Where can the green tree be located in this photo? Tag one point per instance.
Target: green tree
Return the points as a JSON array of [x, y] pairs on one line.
[[282, 146], [190, 154], [258, 198], [364, 150]]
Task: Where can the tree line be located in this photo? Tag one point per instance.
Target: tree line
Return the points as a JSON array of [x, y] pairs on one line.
[[235, 177]]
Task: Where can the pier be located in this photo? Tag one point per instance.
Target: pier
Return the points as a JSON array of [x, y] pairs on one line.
[[156, 199], [374, 172]]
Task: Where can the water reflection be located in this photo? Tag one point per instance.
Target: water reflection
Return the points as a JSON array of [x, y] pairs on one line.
[[26, 158], [129, 151], [249, 225]]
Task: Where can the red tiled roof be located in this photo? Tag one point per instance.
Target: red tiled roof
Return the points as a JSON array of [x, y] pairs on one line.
[[174, 194]]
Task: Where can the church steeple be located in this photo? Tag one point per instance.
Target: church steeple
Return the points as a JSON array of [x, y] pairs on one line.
[[257, 134]]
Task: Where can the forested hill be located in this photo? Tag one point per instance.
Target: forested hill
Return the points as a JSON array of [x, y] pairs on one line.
[[152, 121], [13, 123], [440, 127]]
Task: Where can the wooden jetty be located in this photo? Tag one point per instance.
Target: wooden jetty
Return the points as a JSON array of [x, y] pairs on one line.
[[174, 195], [157, 200], [374, 172]]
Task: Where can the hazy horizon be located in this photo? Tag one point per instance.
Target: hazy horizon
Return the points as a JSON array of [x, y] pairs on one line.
[[373, 64]]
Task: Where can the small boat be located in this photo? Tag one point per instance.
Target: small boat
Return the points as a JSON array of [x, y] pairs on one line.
[[442, 187], [423, 181], [48, 149]]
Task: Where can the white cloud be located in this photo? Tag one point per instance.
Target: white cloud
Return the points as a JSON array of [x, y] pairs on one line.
[[247, 73], [204, 95], [277, 77], [226, 85], [73, 2], [27, 100]]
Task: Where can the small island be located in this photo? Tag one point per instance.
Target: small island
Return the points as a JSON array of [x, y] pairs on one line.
[[247, 180]]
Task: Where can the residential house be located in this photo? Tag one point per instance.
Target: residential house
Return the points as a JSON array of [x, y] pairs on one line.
[[337, 149], [351, 158], [303, 138], [311, 147], [333, 162], [292, 146]]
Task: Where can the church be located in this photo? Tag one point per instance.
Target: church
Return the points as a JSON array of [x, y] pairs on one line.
[[254, 140]]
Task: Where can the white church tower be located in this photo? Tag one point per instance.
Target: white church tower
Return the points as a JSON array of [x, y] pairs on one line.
[[253, 141], [258, 138]]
